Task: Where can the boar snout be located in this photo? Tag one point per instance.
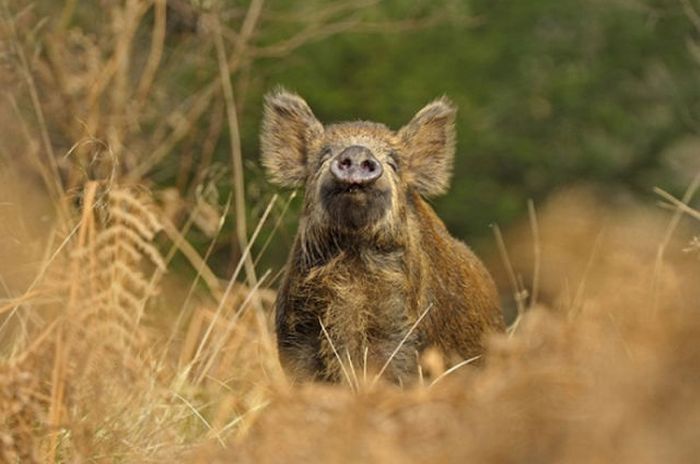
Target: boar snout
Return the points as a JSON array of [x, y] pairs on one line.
[[356, 165]]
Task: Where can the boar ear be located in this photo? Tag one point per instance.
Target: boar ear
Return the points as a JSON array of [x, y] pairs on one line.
[[288, 128], [429, 145]]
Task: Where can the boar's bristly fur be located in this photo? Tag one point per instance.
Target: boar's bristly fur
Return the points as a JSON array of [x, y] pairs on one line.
[[370, 256]]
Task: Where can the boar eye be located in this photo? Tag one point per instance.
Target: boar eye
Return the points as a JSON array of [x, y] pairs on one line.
[[325, 154], [393, 161]]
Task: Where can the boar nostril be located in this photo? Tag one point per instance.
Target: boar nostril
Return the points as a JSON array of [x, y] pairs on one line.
[[356, 165]]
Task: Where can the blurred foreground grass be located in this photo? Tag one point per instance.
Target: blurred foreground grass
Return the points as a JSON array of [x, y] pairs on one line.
[[119, 217]]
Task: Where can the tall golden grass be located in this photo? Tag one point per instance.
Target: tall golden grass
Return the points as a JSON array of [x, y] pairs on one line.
[[106, 357], [108, 353], [603, 368]]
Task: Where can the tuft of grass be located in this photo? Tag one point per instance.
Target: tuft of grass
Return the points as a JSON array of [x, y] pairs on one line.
[[608, 374]]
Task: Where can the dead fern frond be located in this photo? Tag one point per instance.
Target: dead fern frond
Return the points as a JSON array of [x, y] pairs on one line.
[[114, 262], [22, 414], [113, 270]]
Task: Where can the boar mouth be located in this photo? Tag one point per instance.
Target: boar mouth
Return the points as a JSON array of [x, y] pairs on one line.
[[354, 205], [354, 188], [337, 188]]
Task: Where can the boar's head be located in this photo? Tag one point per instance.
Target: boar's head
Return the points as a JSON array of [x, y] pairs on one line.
[[357, 175]]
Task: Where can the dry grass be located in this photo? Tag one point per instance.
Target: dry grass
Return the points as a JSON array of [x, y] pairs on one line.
[[98, 366], [91, 369], [109, 355], [604, 369]]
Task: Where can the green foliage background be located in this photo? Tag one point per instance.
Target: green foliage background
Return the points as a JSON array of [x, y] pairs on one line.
[[550, 93]]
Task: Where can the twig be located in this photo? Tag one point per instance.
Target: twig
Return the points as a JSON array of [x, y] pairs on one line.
[[403, 340], [236, 155], [318, 28], [62, 351], [195, 281], [320, 13], [120, 91], [519, 294], [306, 35], [275, 227], [352, 369], [250, 22], [251, 296], [232, 280], [677, 204], [452, 369], [335, 352], [156, 52], [192, 256], [201, 418], [56, 187], [206, 152], [182, 125], [577, 304], [537, 252], [238, 419], [691, 13], [672, 225]]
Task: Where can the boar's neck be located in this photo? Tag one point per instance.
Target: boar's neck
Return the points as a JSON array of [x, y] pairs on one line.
[[318, 246]]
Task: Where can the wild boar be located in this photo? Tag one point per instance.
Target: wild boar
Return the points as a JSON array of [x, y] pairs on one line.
[[370, 257]]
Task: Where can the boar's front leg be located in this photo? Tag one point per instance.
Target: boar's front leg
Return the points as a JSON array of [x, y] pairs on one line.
[[298, 342]]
